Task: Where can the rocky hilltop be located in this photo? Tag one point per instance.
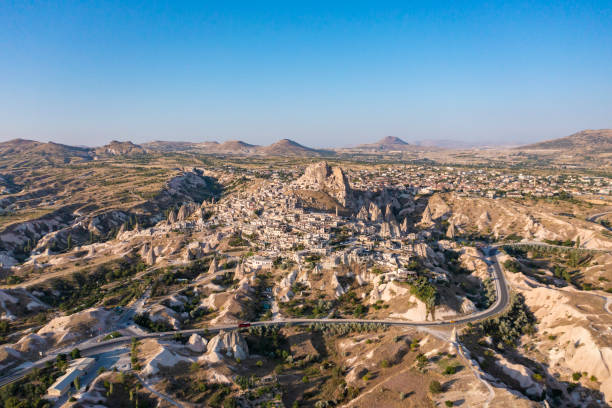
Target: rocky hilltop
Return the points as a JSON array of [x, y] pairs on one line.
[[116, 148], [331, 180], [587, 140]]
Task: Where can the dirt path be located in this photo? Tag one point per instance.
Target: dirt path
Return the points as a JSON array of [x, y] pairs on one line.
[[159, 394]]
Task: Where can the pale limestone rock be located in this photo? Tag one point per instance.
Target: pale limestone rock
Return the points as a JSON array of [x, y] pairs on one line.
[[389, 213], [331, 180], [171, 217], [196, 343], [230, 344], [375, 213], [450, 232], [363, 214]]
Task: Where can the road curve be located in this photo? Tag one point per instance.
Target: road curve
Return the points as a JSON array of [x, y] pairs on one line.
[[500, 304], [594, 217]]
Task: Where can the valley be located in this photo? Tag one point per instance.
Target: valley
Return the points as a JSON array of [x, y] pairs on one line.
[[182, 274]]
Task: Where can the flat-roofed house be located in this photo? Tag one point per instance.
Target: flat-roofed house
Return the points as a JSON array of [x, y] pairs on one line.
[[78, 368]]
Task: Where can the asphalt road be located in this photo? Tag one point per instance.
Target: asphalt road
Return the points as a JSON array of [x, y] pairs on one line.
[[594, 217], [93, 349]]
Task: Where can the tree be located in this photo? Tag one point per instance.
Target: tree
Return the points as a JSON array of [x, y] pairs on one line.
[[77, 383], [435, 387], [76, 353], [69, 242]]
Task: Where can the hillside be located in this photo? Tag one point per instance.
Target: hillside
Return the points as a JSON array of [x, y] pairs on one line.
[[389, 143], [116, 148], [287, 147], [21, 152], [586, 140], [234, 147]]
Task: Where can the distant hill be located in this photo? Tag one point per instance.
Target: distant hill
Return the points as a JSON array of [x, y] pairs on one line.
[[28, 152], [585, 141], [284, 147], [389, 143], [236, 147], [116, 148], [287, 147]]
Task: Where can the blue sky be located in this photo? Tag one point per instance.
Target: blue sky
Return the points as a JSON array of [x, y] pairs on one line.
[[326, 73]]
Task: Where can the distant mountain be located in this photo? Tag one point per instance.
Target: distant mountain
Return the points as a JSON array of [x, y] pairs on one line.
[[286, 147], [391, 142], [599, 141], [28, 152], [386, 144], [236, 147], [116, 148]]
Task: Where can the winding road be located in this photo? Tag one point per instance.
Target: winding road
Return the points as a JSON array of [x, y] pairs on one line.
[[91, 349]]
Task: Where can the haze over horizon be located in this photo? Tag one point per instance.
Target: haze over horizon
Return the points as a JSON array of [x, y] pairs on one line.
[[324, 75]]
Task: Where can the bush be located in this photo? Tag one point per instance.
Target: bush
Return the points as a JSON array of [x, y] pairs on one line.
[[112, 335], [449, 403], [512, 265], [576, 376], [450, 369], [435, 387]]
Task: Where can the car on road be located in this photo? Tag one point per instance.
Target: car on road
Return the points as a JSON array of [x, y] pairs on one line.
[[244, 324]]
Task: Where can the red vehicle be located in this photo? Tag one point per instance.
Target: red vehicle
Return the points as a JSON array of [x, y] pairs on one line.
[[244, 324]]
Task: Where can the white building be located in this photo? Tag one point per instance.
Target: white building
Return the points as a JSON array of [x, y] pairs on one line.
[[259, 262], [78, 368]]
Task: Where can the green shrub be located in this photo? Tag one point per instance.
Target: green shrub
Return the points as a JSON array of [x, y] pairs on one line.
[[435, 387]]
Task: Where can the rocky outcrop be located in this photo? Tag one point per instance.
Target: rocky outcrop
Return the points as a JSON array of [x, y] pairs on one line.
[[77, 326], [163, 358], [239, 273], [15, 303], [390, 230], [363, 214], [226, 344], [404, 226], [161, 313], [375, 213], [389, 213], [185, 211], [451, 231], [336, 286], [426, 218], [522, 375], [196, 343], [331, 180], [148, 254]]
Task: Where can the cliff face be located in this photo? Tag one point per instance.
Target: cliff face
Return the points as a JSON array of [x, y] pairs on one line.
[[330, 180]]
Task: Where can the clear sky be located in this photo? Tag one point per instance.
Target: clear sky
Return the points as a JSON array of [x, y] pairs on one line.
[[327, 73]]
